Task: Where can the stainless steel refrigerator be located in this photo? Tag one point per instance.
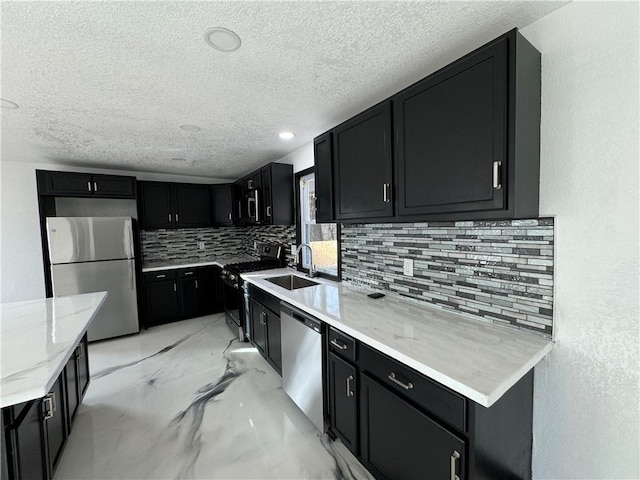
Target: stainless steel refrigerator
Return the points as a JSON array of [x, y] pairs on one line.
[[90, 254]]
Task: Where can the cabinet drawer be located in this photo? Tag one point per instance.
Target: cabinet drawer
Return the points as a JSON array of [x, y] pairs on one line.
[[160, 275], [266, 299], [188, 272], [435, 399], [342, 344]]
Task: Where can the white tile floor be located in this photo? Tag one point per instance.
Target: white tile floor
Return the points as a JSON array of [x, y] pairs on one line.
[[185, 400]]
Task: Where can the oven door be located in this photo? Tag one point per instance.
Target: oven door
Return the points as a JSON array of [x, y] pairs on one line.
[[231, 301]]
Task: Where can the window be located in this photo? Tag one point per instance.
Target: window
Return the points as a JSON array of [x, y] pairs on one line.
[[323, 237]]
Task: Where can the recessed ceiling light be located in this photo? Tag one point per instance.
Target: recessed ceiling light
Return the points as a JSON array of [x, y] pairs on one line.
[[286, 135], [222, 39], [8, 104], [190, 128]]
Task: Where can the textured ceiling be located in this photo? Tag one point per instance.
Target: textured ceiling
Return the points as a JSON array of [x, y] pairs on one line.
[[107, 84]]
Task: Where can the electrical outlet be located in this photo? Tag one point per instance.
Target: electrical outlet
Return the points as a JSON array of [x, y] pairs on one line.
[[293, 249], [255, 245], [408, 267], [201, 245]]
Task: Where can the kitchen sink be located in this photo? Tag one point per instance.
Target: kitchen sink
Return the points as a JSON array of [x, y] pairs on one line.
[[291, 282]]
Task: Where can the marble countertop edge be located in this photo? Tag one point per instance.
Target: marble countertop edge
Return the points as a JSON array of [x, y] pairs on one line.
[[220, 261]]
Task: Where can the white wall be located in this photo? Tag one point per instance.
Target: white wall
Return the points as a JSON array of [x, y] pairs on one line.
[[586, 421], [300, 159], [21, 270]]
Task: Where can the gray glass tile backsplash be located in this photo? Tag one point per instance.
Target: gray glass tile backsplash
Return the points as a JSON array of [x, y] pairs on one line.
[[498, 270]]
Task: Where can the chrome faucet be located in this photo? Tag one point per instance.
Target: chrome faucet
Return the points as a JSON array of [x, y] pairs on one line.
[[312, 268]]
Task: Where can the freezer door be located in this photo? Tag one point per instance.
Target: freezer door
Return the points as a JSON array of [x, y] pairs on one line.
[[119, 313], [88, 239]]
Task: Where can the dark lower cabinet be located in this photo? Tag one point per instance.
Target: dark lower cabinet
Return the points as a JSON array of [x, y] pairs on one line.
[[266, 328], [76, 379], [23, 441], [179, 294], [399, 442], [55, 423], [343, 398]]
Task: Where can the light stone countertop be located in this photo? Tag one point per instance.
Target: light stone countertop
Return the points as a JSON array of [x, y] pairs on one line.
[[194, 262], [38, 338], [477, 359]]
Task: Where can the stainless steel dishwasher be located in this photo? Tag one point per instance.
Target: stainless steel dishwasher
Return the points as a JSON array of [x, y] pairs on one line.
[[302, 361]]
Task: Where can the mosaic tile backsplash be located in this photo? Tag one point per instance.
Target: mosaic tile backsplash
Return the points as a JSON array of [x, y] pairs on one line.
[[499, 270], [160, 245]]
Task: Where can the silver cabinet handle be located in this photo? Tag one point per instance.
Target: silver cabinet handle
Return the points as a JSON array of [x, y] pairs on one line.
[[196, 283], [250, 184], [263, 320], [169, 218], [188, 273], [95, 186], [269, 211], [394, 379], [80, 350], [177, 218], [349, 391], [384, 192], [454, 456], [337, 344], [89, 186], [161, 276], [496, 175], [175, 288], [229, 215], [47, 404], [257, 206]]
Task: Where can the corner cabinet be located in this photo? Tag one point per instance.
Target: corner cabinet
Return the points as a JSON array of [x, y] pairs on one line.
[[461, 145], [363, 165], [174, 205], [224, 208], [323, 161]]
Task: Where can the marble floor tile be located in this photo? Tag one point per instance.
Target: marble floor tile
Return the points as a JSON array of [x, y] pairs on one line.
[[187, 401]]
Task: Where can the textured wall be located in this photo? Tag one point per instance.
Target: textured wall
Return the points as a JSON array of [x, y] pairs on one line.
[[501, 271], [586, 421]]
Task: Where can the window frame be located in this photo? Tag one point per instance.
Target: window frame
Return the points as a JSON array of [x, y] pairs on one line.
[[299, 267]]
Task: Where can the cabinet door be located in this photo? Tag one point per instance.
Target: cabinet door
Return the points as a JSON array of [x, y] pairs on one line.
[[27, 443], [258, 327], [274, 336], [223, 210], [192, 206], [363, 174], [343, 398], [56, 425], [114, 186], [190, 295], [324, 181], [266, 208], [450, 129], [82, 362], [399, 442], [162, 302], [71, 377], [155, 205], [68, 183]]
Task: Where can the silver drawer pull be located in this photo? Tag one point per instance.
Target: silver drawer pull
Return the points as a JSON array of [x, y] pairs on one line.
[[89, 186], [160, 276], [454, 456], [188, 273], [406, 386], [337, 344], [349, 391], [95, 186], [49, 404]]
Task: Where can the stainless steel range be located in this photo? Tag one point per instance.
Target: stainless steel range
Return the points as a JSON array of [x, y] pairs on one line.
[[271, 256]]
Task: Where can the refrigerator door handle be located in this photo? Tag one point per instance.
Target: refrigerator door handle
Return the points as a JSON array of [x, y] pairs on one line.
[[132, 275]]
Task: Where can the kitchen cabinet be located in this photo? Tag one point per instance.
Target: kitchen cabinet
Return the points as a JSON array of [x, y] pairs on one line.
[[174, 205], [55, 423], [363, 165], [71, 184], [343, 401], [461, 144], [323, 162], [270, 200], [400, 442], [224, 211], [23, 442], [76, 379], [265, 328], [179, 294]]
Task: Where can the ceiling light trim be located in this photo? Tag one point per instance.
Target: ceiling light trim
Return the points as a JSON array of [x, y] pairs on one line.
[[190, 128], [8, 104], [222, 39]]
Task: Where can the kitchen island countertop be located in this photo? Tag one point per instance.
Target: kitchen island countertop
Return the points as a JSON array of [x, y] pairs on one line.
[[477, 359], [38, 337]]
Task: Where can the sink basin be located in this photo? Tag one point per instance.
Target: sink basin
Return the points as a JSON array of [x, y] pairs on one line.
[[291, 282]]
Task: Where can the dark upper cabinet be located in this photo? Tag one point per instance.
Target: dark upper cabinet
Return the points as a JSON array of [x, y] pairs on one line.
[[323, 158], [155, 205], [277, 194], [224, 207], [253, 181], [343, 401], [362, 163], [174, 205], [192, 205], [70, 184], [400, 442]]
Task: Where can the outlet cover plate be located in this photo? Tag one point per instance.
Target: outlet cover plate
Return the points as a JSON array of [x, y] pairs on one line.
[[408, 267]]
